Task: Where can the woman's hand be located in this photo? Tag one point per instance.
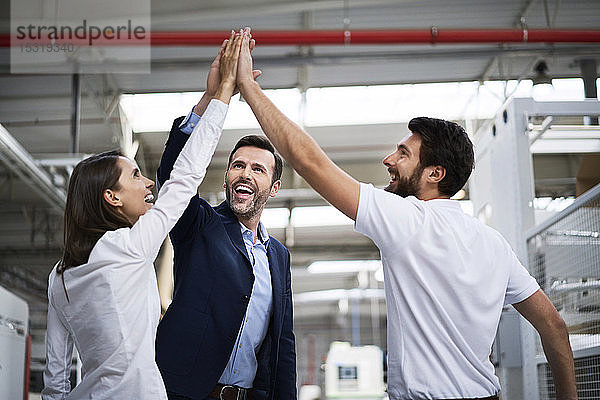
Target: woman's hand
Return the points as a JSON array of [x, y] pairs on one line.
[[213, 81], [228, 62]]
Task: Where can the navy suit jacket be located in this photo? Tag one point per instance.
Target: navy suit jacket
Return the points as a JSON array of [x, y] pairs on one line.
[[213, 285]]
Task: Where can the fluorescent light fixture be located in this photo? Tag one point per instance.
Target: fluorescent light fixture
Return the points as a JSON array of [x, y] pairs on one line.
[[154, 112], [351, 266], [274, 218], [319, 216], [552, 204], [304, 217], [277, 218]]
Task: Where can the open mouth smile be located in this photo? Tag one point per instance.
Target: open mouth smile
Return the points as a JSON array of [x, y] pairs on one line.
[[393, 177], [243, 191], [149, 198]]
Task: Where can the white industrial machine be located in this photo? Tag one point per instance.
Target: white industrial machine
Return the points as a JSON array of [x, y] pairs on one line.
[[14, 316], [354, 372], [310, 392]]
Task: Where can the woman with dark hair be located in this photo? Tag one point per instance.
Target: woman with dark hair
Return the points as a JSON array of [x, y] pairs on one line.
[[102, 295]]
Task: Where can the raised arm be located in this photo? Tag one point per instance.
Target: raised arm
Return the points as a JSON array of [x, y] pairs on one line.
[[178, 137], [189, 169], [175, 142], [295, 145], [214, 77], [540, 312]]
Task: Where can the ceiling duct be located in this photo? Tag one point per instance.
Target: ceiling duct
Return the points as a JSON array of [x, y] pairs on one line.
[[19, 161]]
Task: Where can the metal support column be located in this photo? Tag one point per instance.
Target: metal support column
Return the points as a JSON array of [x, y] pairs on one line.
[[355, 321], [75, 112], [375, 318], [589, 74]]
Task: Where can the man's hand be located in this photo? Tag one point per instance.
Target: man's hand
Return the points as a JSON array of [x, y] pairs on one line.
[[245, 75], [214, 79], [229, 59]]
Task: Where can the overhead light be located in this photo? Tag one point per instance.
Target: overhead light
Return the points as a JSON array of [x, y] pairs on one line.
[[541, 77], [343, 305], [351, 266]]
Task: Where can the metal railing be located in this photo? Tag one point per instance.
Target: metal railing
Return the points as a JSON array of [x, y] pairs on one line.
[[564, 257]]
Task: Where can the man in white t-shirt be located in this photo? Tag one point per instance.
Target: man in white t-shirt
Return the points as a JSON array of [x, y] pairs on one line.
[[447, 276]]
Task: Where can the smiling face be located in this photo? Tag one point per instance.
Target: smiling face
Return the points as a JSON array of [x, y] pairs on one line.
[[134, 196], [249, 181], [404, 167]]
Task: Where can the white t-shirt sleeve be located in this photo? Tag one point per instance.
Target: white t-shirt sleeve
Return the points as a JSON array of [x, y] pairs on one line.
[[521, 284], [386, 218]]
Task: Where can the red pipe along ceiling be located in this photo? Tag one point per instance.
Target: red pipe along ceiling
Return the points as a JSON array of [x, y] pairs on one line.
[[334, 37], [341, 37]]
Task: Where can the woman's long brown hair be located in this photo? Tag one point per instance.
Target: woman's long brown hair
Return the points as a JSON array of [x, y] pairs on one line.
[[87, 215]]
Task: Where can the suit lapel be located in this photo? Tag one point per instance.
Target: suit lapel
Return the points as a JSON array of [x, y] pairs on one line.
[[276, 276], [232, 226]]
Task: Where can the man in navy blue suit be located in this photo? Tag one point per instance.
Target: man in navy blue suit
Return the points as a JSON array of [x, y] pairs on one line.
[[228, 334]]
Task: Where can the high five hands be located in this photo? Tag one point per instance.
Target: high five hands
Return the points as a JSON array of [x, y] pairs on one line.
[[213, 81], [227, 61]]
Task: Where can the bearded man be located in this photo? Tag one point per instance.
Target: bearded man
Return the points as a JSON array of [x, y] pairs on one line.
[[228, 334], [447, 276]]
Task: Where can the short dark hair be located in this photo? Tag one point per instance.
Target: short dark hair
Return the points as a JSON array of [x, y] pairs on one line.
[[87, 215], [262, 143], [446, 144]]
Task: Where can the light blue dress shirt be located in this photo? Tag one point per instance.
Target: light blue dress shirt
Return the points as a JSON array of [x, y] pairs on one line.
[[189, 122], [241, 368]]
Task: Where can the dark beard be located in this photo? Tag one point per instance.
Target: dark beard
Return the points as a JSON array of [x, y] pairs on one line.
[[405, 187], [255, 208]]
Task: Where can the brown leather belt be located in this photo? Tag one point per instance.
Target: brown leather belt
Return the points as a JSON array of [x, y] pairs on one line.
[[228, 392]]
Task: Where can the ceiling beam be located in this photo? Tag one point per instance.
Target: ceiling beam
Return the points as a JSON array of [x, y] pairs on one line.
[[19, 161], [521, 19], [295, 59], [27, 285], [262, 10]]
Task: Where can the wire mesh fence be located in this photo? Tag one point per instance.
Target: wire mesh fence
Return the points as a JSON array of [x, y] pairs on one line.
[[564, 257]]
